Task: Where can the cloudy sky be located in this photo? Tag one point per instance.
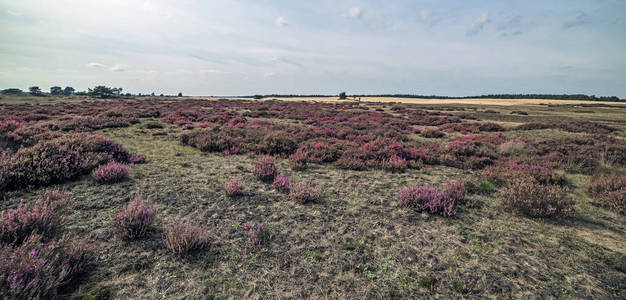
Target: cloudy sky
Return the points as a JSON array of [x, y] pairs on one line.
[[242, 47]]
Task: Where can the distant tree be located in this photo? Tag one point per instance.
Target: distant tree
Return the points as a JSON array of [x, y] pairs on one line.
[[342, 96], [258, 96], [56, 90], [128, 94], [34, 90], [152, 94], [68, 91], [161, 95], [180, 94], [12, 91], [102, 91]]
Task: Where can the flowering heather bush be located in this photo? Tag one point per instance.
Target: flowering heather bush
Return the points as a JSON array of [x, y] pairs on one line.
[[303, 193], [136, 159], [257, 234], [580, 126], [265, 169], [501, 175], [233, 188], [433, 200], [298, 161], [134, 220], [512, 148], [609, 189], [278, 143], [43, 218], [184, 237], [282, 184], [58, 160], [395, 164], [36, 269], [471, 127], [111, 173], [528, 197], [349, 162], [432, 133]]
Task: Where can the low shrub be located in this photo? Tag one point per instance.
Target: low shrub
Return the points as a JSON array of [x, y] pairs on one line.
[[184, 237], [233, 188], [348, 162], [609, 190], [58, 160], [298, 161], [265, 169], [42, 218], [302, 193], [485, 187], [500, 175], [394, 164], [528, 197], [435, 201], [257, 234], [432, 133], [134, 220], [111, 173], [136, 159], [282, 184], [36, 269]]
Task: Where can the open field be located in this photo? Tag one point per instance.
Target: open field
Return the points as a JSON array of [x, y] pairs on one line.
[[418, 198]]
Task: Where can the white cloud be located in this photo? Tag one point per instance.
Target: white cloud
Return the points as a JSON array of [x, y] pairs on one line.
[[427, 16], [280, 21], [96, 65], [354, 12], [13, 13], [209, 71], [269, 74], [118, 68], [148, 5], [478, 24]]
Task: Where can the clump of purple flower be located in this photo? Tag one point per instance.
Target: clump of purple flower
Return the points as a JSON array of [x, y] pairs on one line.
[[134, 220], [233, 188], [303, 193], [257, 234], [435, 201], [111, 173], [282, 184], [265, 169], [184, 237]]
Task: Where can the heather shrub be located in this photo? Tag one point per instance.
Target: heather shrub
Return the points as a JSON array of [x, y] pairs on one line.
[[136, 159], [233, 188], [265, 169], [512, 148], [432, 133], [302, 193], [58, 160], [609, 190], [528, 197], [500, 175], [36, 269], [282, 184], [42, 218], [258, 235], [298, 161], [111, 173], [427, 199], [134, 220], [184, 237], [349, 162], [394, 164], [278, 143]]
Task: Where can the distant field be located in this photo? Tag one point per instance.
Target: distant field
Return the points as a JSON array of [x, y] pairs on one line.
[[421, 198]]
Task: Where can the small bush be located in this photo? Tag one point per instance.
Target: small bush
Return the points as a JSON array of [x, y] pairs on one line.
[[347, 162], [36, 268], [233, 188], [432, 133], [136, 159], [184, 237], [500, 175], [265, 169], [609, 190], [394, 164], [298, 161], [134, 220], [43, 218], [257, 234], [433, 200], [282, 184], [111, 173], [303, 193], [485, 187], [527, 196]]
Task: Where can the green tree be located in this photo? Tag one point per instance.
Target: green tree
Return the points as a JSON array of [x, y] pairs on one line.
[[180, 94], [102, 91], [68, 91], [342, 96], [56, 90], [34, 90], [11, 91]]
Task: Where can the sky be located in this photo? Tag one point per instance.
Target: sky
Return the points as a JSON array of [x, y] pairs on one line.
[[245, 47]]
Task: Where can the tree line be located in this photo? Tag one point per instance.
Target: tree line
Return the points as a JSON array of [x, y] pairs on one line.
[[99, 91]]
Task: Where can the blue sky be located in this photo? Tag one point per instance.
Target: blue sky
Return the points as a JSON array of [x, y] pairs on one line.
[[241, 47]]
